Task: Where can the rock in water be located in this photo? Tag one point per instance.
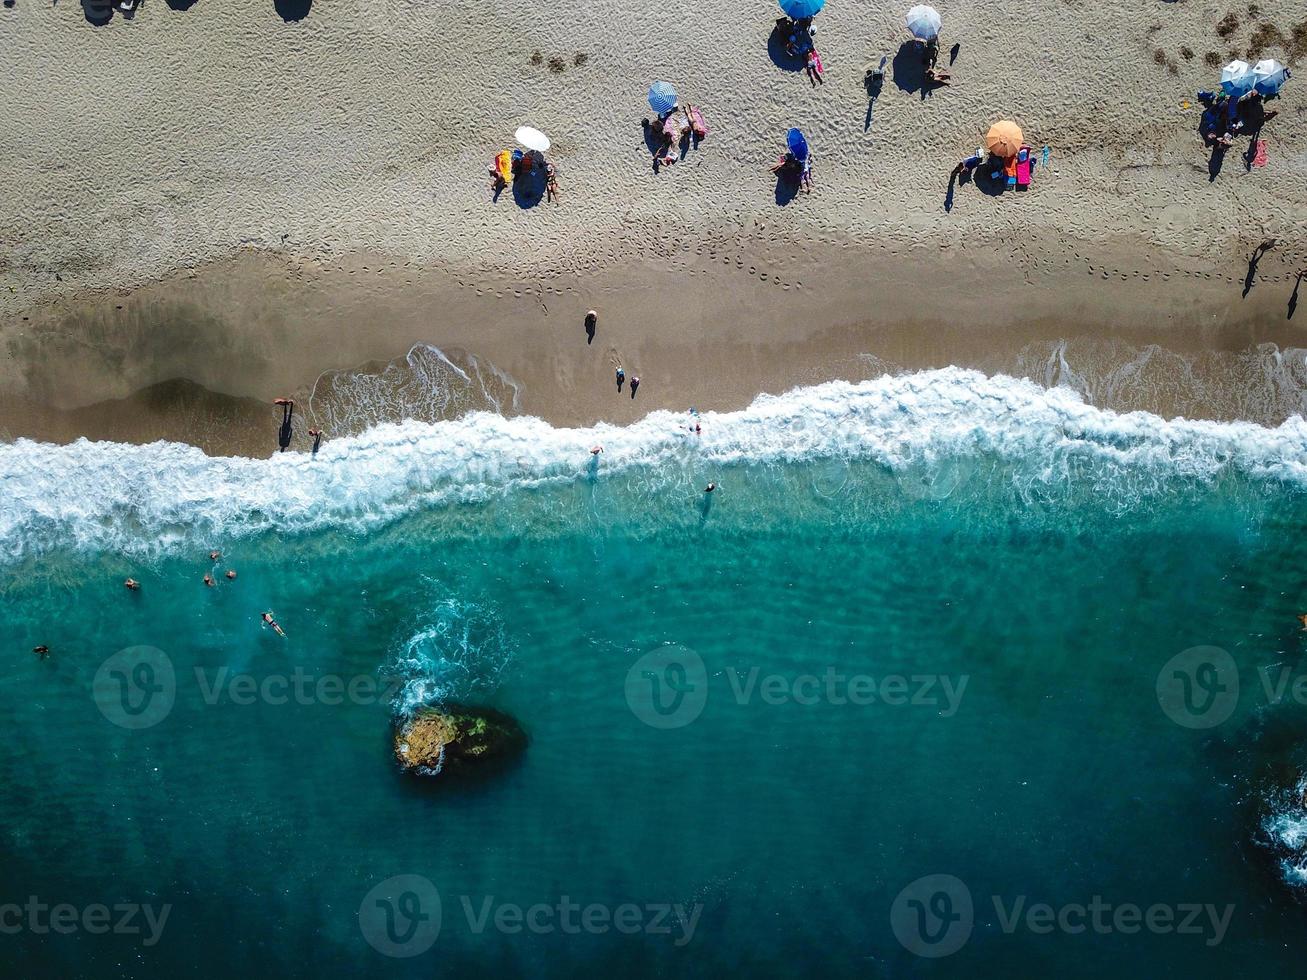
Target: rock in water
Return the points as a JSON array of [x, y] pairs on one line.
[[457, 739]]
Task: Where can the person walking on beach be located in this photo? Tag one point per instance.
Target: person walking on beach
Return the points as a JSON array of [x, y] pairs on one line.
[[287, 410], [621, 378], [635, 383], [591, 324]]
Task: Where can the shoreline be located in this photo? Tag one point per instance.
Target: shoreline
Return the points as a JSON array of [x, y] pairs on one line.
[[198, 356]]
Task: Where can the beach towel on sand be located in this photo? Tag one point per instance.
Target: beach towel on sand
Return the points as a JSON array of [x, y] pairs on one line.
[[697, 124], [1023, 167], [1259, 157]]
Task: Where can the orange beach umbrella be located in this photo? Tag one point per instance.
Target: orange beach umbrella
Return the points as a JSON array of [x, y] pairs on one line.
[[1004, 138]]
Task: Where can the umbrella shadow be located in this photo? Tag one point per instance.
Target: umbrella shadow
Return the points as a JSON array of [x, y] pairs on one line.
[[787, 189], [529, 187], [989, 178], [180, 4], [776, 48], [292, 10], [909, 69]]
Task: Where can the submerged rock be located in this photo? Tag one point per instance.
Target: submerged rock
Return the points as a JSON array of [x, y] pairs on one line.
[[457, 739]]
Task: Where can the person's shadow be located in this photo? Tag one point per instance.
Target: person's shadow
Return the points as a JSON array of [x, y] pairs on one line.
[[1293, 298], [1215, 161], [98, 12], [909, 69], [986, 181], [1254, 260], [591, 323], [874, 81], [291, 10]]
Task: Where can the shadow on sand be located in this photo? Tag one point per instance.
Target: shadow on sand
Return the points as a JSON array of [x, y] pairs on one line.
[[292, 10], [909, 69], [781, 58]]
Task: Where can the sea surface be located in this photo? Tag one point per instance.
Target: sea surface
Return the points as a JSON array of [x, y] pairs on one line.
[[940, 650]]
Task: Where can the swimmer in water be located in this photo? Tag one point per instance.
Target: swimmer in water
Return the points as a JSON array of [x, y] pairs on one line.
[[214, 555], [317, 439], [1303, 619], [132, 584], [42, 651], [710, 488], [208, 580], [287, 411], [269, 621], [231, 573], [596, 450]]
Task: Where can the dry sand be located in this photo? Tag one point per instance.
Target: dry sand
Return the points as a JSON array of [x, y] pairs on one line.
[[211, 206]]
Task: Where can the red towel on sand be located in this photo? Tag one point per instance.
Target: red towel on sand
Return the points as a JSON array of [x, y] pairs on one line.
[[1259, 158]]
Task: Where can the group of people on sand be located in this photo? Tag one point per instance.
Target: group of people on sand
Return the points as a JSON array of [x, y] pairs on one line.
[[800, 44], [1226, 118], [511, 165], [677, 129]]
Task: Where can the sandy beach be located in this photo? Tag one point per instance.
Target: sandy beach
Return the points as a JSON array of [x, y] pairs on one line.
[[231, 206]]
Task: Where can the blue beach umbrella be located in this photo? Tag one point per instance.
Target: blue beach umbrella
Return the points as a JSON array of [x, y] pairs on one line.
[[797, 144], [662, 97], [1237, 78], [799, 9], [1269, 75]]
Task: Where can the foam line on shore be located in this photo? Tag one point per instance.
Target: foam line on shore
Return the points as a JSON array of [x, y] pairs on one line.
[[109, 496]]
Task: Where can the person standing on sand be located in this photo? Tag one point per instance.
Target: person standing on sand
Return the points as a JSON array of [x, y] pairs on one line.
[[317, 439], [635, 383], [621, 378], [287, 410]]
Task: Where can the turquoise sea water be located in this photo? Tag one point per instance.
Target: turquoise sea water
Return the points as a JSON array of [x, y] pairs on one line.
[[936, 616]]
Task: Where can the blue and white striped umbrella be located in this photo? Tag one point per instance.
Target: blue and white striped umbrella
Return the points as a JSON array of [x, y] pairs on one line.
[[1269, 75], [923, 22], [799, 9], [1237, 78], [662, 97]]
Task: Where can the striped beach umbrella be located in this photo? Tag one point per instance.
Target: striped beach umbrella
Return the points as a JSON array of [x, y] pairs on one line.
[[662, 97], [799, 9], [923, 22], [1269, 75], [1237, 78]]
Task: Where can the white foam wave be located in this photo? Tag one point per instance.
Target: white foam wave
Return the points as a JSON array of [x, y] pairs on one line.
[[102, 496]]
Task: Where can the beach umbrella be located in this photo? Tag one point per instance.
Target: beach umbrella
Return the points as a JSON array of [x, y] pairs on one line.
[[923, 22], [1004, 138], [662, 97], [1269, 75], [799, 9], [797, 144], [1236, 78], [532, 139]]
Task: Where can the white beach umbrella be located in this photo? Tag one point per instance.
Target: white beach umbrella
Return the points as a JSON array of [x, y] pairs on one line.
[[1236, 78], [923, 22], [532, 138], [1269, 75]]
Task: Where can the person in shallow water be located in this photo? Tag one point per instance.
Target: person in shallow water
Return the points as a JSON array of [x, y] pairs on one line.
[[710, 488], [287, 410], [317, 439], [41, 651], [269, 621], [132, 585]]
